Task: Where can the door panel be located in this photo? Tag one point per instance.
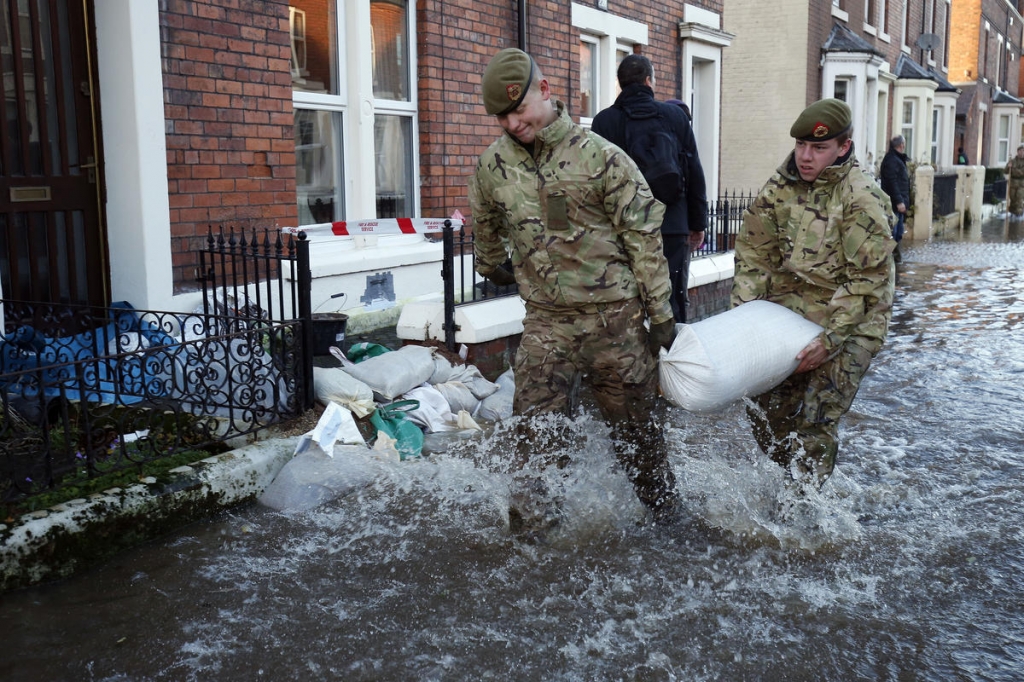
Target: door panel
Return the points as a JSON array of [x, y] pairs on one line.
[[51, 233]]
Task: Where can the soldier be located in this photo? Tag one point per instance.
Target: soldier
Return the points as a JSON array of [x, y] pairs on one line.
[[581, 227], [818, 240], [1015, 183]]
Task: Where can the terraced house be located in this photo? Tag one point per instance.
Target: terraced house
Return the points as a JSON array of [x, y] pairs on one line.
[[135, 127]]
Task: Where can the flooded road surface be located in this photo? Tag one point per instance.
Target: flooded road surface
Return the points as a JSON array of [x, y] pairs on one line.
[[908, 566]]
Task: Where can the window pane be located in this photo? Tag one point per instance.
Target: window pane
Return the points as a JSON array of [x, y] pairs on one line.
[[318, 177], [840, 89], [390, 46], [393, 144], [588, 79], [314, 27]]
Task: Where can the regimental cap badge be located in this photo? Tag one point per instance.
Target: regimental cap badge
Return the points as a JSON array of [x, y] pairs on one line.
[[820, 130], [514, 91]]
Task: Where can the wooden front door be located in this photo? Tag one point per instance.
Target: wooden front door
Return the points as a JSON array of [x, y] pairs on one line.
[[51, 233]]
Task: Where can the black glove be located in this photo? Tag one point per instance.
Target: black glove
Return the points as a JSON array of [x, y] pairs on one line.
[[501, 276], [661, 336]]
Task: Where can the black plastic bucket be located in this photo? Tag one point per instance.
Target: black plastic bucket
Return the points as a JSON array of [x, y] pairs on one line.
[[328, 330]]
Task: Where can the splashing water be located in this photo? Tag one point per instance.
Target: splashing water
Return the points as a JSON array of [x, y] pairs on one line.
[[906, 565]]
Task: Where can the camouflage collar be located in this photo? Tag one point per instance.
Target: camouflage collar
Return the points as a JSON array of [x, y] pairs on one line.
[[829, 176]]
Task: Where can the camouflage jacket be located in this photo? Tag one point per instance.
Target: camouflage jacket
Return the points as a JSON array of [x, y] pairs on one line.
[[1015, 169], [822, 249], [577, 217]]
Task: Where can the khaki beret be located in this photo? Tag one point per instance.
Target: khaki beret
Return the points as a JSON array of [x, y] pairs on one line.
[[823, 120], [506, 80]]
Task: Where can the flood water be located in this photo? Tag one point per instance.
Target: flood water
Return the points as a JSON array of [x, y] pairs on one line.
[[908, 566]]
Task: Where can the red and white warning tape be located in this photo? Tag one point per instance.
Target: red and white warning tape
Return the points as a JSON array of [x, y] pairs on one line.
[[374, 227]]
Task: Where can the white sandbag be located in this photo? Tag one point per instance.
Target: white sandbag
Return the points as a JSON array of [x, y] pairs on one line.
[[392, 374], [433, 414], [311, 478], [498, 405], [335, 385], [471, 377], [742, 352], [459, 396]]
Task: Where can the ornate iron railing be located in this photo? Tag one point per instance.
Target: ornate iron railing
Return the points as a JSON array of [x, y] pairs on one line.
[[89, 391], [462, 285]]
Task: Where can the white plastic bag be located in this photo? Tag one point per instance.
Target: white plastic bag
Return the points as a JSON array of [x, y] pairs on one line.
[[742, 352], [334, 426]]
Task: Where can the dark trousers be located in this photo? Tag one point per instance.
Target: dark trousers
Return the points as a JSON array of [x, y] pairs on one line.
[[677, 252]]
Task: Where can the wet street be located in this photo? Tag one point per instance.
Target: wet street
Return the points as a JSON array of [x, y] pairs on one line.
[[907, 566]]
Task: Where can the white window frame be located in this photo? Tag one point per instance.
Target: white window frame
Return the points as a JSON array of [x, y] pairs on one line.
[[611, 34], [1002, 140], [358, 106]]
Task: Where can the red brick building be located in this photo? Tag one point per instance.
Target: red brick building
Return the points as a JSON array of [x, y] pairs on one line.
[[176, 116]]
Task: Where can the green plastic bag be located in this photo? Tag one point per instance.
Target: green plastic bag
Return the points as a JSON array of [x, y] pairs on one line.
[[391, 420], [364, 350]]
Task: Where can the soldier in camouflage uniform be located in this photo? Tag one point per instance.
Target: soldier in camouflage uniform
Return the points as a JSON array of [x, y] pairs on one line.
[[818, 240], [582, 229], [1015, 183]]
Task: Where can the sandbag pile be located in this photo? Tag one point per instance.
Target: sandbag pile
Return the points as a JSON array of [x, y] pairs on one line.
[[427, 388]]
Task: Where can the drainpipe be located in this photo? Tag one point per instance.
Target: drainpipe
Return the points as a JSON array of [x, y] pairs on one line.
[[521, 4]]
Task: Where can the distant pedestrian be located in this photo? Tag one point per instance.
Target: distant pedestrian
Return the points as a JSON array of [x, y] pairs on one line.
[[961, 156], [642, 126], [896, 183]]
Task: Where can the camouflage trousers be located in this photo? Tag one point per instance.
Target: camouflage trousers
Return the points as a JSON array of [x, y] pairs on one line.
[[1015, 196], [605, 347], [797, 422]]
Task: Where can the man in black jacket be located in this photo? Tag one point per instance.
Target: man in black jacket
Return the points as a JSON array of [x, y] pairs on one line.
[[682, 229], [896, 183]]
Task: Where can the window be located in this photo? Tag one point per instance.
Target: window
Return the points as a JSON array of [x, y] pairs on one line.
[[906, 24], [394, 115], [870, 12], [604, 39], [336, 142], [589, 81], [907, 125], [841, 89], [936, 126], [945, 45], [318, 165], [1003, 140], [297, 28]]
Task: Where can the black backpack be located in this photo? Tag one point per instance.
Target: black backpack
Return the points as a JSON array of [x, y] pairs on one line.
[[655, 149]]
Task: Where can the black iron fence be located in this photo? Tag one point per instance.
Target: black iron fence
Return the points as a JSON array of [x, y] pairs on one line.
[[462, 285], [90, 392]]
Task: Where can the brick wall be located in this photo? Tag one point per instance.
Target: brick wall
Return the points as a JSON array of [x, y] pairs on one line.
[[457, 38], [228, 108]]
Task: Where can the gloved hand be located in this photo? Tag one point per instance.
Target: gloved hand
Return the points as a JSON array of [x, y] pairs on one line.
[[501, 276], [661, 336]]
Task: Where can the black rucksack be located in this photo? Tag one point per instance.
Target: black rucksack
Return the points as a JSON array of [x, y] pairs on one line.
[[655, 149]]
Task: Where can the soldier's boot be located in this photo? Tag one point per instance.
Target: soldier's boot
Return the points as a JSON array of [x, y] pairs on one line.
[[815, 464], [533, 510], [641, 451]]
